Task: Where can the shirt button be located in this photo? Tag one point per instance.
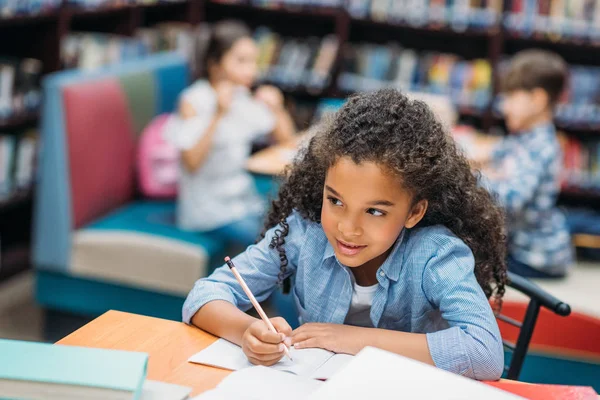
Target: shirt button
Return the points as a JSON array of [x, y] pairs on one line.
[[381, 273]]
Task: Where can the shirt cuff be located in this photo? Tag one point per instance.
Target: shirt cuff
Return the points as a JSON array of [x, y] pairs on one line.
[[203, 293], [448, 351]]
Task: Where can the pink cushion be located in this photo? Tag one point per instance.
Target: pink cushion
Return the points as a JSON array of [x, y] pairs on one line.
[[157, 161], [101, 149]]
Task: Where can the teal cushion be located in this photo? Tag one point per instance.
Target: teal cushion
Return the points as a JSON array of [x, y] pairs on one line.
[[155, 218]]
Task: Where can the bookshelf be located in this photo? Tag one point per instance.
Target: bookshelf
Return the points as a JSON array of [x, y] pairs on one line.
[[39, 36]]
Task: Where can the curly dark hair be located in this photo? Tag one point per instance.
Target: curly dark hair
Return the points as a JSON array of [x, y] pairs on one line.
[[404, 137]]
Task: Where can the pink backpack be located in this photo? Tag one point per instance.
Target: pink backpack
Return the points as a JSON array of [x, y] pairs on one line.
[[157, 161]]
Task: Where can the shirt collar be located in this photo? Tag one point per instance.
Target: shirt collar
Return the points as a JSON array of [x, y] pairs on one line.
[[392, 265], [536, 131]]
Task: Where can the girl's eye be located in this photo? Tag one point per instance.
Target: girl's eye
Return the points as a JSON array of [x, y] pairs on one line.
[[375, 212], [334, 201]]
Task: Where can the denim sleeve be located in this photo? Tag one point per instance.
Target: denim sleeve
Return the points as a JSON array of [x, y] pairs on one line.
[[259, 265], [472, 345], [522, 172]]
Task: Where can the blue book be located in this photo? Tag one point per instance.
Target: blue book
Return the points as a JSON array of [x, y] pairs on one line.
[[35, 371]]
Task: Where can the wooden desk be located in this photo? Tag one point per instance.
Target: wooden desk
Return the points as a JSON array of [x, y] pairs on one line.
[[169, 345]]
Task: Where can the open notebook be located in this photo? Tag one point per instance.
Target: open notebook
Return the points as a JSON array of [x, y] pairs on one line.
[[261, 383], [310, 363]]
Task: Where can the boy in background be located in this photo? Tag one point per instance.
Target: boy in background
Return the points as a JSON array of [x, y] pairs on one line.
[[523, 170]]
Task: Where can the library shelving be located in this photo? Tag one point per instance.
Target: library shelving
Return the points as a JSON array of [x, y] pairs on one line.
[[39, 36]]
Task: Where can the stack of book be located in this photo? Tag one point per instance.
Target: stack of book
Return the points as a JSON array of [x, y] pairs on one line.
[[551, 19], [20, 91], [455, 14], [369, 67], [39, 371], [17, 162], [9, 8], [581, 168], [296, 63]]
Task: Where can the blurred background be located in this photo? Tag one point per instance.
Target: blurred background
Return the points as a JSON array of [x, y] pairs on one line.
[[83, 229]]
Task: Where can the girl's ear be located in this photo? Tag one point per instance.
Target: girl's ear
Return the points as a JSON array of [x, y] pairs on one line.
[[416, 214]]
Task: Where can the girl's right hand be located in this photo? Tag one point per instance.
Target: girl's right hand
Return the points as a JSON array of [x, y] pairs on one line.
[[224, 91], [261, 345]]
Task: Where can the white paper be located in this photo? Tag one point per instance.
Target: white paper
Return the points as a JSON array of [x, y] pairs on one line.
[[261, 383], [224, 354], [332, 366], [154, 390], [378, 374]]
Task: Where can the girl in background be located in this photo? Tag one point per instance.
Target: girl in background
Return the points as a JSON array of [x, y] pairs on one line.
[[218, 120]]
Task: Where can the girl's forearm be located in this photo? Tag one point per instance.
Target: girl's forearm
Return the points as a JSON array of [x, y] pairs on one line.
[[412, 345], [285, 129], [223, 319], [195, 157]]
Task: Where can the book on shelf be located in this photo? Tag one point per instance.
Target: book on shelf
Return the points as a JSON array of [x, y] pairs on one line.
[[20, 86], [581, 164], [455, 14], [369, 67], [10, 8], [90, 50], [555, 20], [92, 4], [294, 63], [18, 156], [292, 3]]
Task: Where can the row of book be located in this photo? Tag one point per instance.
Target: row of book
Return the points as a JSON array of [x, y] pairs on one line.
[[581, 164], [580, 104], [90, 4], [20, 91], [17, 162], [9, 8], [456, 14], [294, 63], [292, 3], [554, 19], [369, 67], [90, 50]]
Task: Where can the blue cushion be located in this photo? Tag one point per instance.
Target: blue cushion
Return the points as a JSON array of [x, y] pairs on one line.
[[155, 218]]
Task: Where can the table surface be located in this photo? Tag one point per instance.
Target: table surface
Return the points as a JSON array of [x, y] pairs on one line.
[[169, 344]]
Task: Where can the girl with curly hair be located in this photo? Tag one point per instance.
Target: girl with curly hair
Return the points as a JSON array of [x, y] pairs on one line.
[[390, 243]]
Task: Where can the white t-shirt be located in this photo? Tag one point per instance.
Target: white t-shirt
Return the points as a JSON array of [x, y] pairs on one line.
[[360, 307], [221, 190]]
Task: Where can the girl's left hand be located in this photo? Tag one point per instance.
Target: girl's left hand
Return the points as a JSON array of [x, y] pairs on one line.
[[333, 337]]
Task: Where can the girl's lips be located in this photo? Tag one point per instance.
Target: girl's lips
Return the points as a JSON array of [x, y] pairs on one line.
[[348, 249]]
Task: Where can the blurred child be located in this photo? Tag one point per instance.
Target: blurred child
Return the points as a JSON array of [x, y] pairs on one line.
[[524, 169], [391, 243], [218, 120]]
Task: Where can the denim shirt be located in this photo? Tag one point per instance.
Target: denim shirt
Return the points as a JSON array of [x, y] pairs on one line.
[[426, 285]]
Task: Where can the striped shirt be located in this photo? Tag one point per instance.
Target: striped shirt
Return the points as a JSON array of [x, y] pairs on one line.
[[528, 187], [426, 285]]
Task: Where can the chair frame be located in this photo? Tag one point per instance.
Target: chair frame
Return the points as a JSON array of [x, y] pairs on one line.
[[538, 298]]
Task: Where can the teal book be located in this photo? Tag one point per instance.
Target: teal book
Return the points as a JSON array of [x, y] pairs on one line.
[[39, 371]]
